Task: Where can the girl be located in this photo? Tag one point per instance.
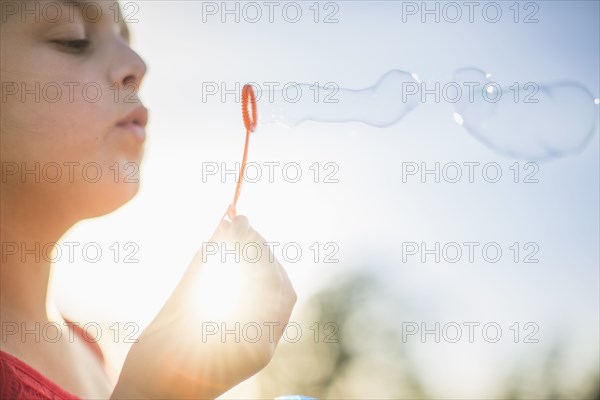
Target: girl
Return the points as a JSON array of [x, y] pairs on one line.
[[67, 74]]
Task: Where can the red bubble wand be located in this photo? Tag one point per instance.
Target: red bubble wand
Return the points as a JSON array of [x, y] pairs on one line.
[[249, 117]]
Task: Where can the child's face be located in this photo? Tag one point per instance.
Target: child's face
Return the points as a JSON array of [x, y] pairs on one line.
[[62, 102]]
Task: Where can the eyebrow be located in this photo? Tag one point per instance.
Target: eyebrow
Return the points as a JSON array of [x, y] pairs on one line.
[[125, 33]]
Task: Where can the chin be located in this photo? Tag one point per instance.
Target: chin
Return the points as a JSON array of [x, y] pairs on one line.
[[104, 199]]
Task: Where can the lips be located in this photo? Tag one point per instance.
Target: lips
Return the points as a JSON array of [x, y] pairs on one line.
[[135, 122]]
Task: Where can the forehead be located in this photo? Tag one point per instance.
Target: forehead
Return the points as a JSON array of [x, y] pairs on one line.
[[92, 11]]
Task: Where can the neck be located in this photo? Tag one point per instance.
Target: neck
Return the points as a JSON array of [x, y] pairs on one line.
[[29, 227]]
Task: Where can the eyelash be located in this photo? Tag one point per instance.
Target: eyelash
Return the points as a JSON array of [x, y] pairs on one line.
[[75, 46]]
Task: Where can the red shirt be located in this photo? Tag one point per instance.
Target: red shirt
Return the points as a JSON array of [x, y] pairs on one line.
[[19, 380]]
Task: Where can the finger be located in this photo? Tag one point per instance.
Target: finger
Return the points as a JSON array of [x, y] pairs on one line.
[[289, 295], [222, 230], [264, 284], [240, 227], [264, 268], [287, 301]]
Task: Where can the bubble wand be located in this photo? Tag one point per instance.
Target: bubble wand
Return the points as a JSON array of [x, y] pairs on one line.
[[249, 117]]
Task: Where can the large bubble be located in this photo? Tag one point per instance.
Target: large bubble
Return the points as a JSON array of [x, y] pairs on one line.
[[526, 120], [380, 105]]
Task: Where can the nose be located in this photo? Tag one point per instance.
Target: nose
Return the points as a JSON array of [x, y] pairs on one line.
[[128, 67]]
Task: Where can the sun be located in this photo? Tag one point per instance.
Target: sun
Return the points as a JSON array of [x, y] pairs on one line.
[[218, 288]]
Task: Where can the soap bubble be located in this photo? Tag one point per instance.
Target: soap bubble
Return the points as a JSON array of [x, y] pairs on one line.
[[380, 105], [526, 120]]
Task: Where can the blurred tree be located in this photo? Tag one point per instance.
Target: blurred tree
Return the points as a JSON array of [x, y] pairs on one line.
[[350, 347], [345, 343]]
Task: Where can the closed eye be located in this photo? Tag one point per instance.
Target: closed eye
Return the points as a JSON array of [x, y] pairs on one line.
[[74, 46]]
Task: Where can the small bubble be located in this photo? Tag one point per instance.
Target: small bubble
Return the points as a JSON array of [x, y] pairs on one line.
[[458, 118], [488, 76], [596, 101]]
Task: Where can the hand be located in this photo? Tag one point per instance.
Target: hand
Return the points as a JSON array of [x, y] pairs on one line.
[[189, 350]]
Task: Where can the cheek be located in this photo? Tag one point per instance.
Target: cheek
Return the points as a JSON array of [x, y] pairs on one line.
[[50, 129], [70, 148], [63, 121]]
